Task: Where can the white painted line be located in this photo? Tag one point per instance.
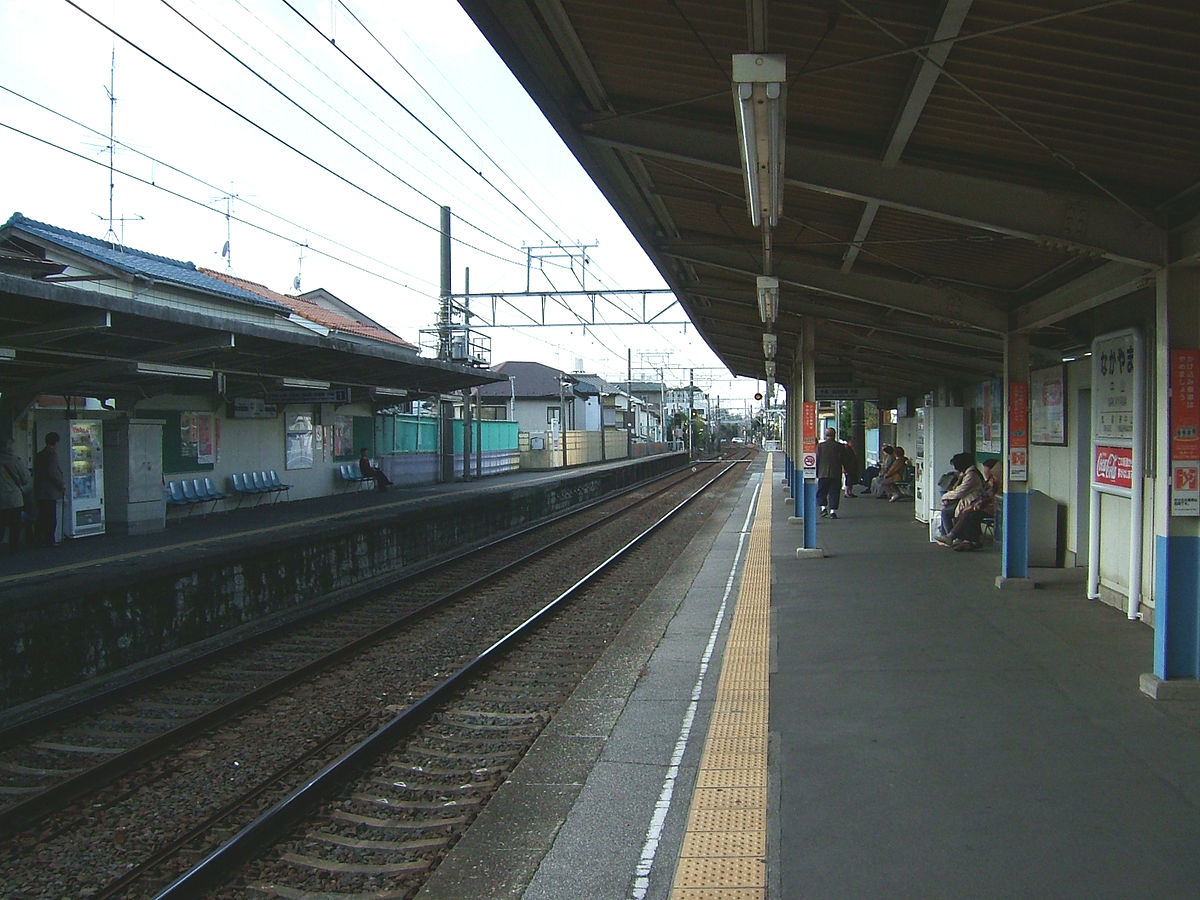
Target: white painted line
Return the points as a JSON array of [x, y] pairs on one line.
[[641, 882]]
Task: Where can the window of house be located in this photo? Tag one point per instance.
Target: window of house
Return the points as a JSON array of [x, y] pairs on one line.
[[552, 414]]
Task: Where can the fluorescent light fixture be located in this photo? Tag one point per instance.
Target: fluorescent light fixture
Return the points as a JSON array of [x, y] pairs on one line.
[[770, 367], [8, 353], [770, 343], [173, 371], [768, 298], [759, 99], [390, 392], [305, 383]]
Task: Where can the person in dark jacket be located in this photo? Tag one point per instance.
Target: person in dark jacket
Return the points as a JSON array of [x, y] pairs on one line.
[[829, 474], [370, 471], [14, 482], [850, 464], [48, 489]]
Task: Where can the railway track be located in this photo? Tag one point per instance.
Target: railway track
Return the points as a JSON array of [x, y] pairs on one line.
[[130, 843]]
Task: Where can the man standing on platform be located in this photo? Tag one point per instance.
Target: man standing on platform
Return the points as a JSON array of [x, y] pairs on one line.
[[48, 489], [829, 474]]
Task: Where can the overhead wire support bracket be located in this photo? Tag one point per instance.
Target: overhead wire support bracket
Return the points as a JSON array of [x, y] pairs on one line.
[[630, 314]]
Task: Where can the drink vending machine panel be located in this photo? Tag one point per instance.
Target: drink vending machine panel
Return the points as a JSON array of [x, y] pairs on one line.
[[84, 502], [941, 433]]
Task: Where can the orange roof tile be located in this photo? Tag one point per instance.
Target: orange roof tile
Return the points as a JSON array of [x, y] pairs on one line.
[[314, 313]]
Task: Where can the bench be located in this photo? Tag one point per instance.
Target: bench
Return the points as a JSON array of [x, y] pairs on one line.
[[350, 473], [189, 492], [256, 485]]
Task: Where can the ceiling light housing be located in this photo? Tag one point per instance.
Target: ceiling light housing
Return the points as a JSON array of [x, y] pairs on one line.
[[172, 371], [760, 100], [768, 298], [770, 344], [304, 383]]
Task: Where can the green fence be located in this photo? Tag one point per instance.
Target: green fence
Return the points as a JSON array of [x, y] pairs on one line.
[[419, 434]]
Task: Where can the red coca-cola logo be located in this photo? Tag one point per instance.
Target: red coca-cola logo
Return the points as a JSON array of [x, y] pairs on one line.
[[1114, 466]]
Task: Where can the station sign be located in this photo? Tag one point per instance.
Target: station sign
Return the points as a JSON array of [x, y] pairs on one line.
[[847, 392]]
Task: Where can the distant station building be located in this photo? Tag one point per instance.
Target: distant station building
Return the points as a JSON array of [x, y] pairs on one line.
[[153, 370]]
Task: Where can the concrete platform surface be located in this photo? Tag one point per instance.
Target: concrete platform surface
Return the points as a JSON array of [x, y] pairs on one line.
[[931, 736]]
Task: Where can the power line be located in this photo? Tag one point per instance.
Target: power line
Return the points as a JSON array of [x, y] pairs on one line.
[[274, 136], [333, 131], [454, 121], [206, 207], [158, 162], [414, 116]]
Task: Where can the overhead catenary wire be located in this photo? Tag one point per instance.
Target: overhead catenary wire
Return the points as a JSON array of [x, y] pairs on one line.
[[245, 202], [336, 84], [417, 119], [281, 136], [453, 120], [202, 204], [339, 136], [268, 133]]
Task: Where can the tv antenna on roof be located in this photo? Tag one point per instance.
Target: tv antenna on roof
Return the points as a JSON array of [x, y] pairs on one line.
[[299, 268], [227, 250], [110, 89]]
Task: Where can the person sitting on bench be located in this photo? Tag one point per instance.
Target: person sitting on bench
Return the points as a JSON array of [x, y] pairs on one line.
[[370, 471]]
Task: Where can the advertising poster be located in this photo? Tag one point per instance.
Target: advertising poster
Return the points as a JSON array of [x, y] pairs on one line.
[[1113, 467], [1018, 431], [1048, 413], [808, 440], [197, 437], [298, 441], [1185, 434]]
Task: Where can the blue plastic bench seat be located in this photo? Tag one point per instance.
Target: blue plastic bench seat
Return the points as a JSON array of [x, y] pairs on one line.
[[352, 474]]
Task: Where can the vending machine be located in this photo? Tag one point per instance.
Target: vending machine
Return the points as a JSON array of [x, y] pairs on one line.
[[83, 506], [941, 433]]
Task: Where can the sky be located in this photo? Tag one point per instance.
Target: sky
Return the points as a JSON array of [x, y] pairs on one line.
[[320, 139]]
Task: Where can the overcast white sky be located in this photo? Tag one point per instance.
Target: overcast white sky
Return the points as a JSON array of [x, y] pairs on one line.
[[457, 130]]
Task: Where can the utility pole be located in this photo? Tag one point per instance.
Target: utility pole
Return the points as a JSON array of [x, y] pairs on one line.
[[444, 307], [691, 403], [445, 410]]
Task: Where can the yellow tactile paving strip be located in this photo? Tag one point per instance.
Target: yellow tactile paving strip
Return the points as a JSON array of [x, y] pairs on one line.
[[724, 852]]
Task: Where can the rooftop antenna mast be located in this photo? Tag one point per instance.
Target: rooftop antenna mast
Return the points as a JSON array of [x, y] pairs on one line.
[[111, 89], [299, 268], [227, 250]]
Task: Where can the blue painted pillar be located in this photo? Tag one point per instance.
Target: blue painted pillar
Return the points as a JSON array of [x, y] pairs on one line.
[[1177, 606], [1015, 559], [810, 511], [1177, 529]]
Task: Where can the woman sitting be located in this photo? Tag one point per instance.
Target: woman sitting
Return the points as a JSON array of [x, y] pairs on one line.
[[967, 531], [966, 488], [875, 483], [895, 473]]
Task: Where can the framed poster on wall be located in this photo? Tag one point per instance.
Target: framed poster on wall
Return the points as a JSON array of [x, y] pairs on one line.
[[298, 440], [1048, 406]]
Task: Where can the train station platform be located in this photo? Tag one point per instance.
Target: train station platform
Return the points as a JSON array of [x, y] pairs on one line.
[[91, 612], [928, 734]]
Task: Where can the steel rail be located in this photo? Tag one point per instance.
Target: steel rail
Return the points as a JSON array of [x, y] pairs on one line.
[[273, 824], [35, 807]]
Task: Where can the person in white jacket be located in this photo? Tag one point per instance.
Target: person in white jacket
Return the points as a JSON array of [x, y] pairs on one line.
[[966, 488]]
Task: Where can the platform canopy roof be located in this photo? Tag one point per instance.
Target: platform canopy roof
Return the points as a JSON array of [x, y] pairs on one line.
[[88, 318], [954, 170]]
